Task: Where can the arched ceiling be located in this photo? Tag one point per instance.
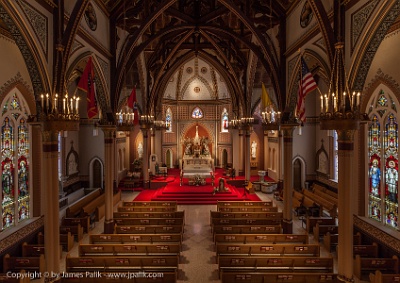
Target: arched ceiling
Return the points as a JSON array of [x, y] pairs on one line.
[[230, 35]]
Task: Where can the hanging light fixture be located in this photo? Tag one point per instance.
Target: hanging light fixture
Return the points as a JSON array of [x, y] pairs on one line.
[[340, 107]]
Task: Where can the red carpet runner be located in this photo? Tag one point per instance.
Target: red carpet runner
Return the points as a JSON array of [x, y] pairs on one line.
[[202, 194]]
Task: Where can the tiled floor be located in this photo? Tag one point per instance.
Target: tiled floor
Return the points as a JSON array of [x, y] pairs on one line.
[[198, 261]]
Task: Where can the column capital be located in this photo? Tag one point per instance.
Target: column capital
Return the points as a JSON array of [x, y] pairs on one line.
[[109, 132]]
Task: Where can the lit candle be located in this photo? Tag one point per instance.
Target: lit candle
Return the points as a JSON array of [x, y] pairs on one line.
[[72, 105], [64, 105], [42, 98], [358, 99], [326, 103], [77, 105], [353, 100], [334, 102], [56, 102], [322, 104], [47, 101], [278, 115], [344, 101]]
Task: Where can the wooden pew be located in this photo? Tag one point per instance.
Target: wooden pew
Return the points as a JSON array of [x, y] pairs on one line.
[[311, 207], [331, 240], [29, 264], [122, 264], [129, 249], [66, 240], [272, 264], [100, 210], [363, 265], [318, 189], [76, 231], [379, 277], [264, 215], [247, 229], [270, 250], [83, 221], [109, 277], [148, 221], [324, 204], [148, 229], [90, 208], [222, 204], [297, 201], [174, 214], [75, 209], [145, 209], [312, 221], [29, 250], [128, 238], [20, 277], [261, 238], [249, 209], [150, 203], [366, 250], [243, 222], [320, 230], [290, 277]]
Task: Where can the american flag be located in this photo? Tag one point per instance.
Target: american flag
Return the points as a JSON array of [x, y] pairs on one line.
[[306, 85]]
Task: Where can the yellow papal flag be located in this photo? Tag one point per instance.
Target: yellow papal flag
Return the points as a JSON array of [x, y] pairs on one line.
[[265, 100]]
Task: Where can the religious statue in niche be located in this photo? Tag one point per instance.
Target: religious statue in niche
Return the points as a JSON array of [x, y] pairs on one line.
[[306, 15], [140, 150], [90, 17], [254, 150], [72, 161]]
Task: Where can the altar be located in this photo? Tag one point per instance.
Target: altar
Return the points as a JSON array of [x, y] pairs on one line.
[[197, 162]]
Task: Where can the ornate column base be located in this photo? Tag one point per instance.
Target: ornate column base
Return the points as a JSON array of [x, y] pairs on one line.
[[287, 226], [343, 278], [109, 227]]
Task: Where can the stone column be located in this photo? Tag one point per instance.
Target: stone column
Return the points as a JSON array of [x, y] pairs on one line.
[[247, 154], [287, 132], [146, 178], [345, 204], [51, 201], [266, 151], [241, 153], [109, 164]]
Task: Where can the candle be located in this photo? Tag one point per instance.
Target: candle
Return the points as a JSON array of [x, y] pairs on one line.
[[322, 104], [56, 102], [335, 103], [326, 103], [64, 105], [353, 100], [358, 99], [42, 99], [47, 101], [77, 105], [344, 101], [72, 105]]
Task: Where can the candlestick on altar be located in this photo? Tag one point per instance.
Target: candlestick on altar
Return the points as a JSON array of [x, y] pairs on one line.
[[77, 105], [47, 102], [42, 101], [55, 102]]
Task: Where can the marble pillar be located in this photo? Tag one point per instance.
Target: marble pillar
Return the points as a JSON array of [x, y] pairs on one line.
[[109, 164]]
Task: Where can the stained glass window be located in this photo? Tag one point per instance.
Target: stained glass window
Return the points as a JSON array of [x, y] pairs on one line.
[[224, 121], [197, 113], [14, 147], [383, 161], [168, 120]]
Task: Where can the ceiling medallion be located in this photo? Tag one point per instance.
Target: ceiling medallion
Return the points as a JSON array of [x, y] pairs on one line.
[[203, 70], [189, 70], [90, 16], [306, 15], [196, 89]]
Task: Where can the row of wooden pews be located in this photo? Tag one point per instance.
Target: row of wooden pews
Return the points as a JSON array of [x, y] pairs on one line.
[[147, 238], [261, 253]]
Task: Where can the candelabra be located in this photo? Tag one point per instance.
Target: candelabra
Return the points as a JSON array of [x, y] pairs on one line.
[[340, 108], [125, 120], [242, 123], [271, 120], [160, 125], [57, 114], [146, 121]]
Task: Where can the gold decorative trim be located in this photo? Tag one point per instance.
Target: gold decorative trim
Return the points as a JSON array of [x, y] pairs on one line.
[[23, 232]]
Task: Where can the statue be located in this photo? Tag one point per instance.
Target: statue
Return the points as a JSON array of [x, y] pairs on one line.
[[140, 150], [254, 150], [188, 150]]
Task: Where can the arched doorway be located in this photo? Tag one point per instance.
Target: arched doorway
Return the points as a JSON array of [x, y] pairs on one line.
[[224, 158], [96, 173], [297, 175], [168, 158]]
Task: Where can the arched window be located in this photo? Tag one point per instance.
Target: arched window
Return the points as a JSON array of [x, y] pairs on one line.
[[15, 165], [168, 120], [197, 113], [383, 159], [224, 121]]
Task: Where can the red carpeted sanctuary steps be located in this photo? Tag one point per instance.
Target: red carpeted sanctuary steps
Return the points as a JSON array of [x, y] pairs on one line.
[[202, 194]]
